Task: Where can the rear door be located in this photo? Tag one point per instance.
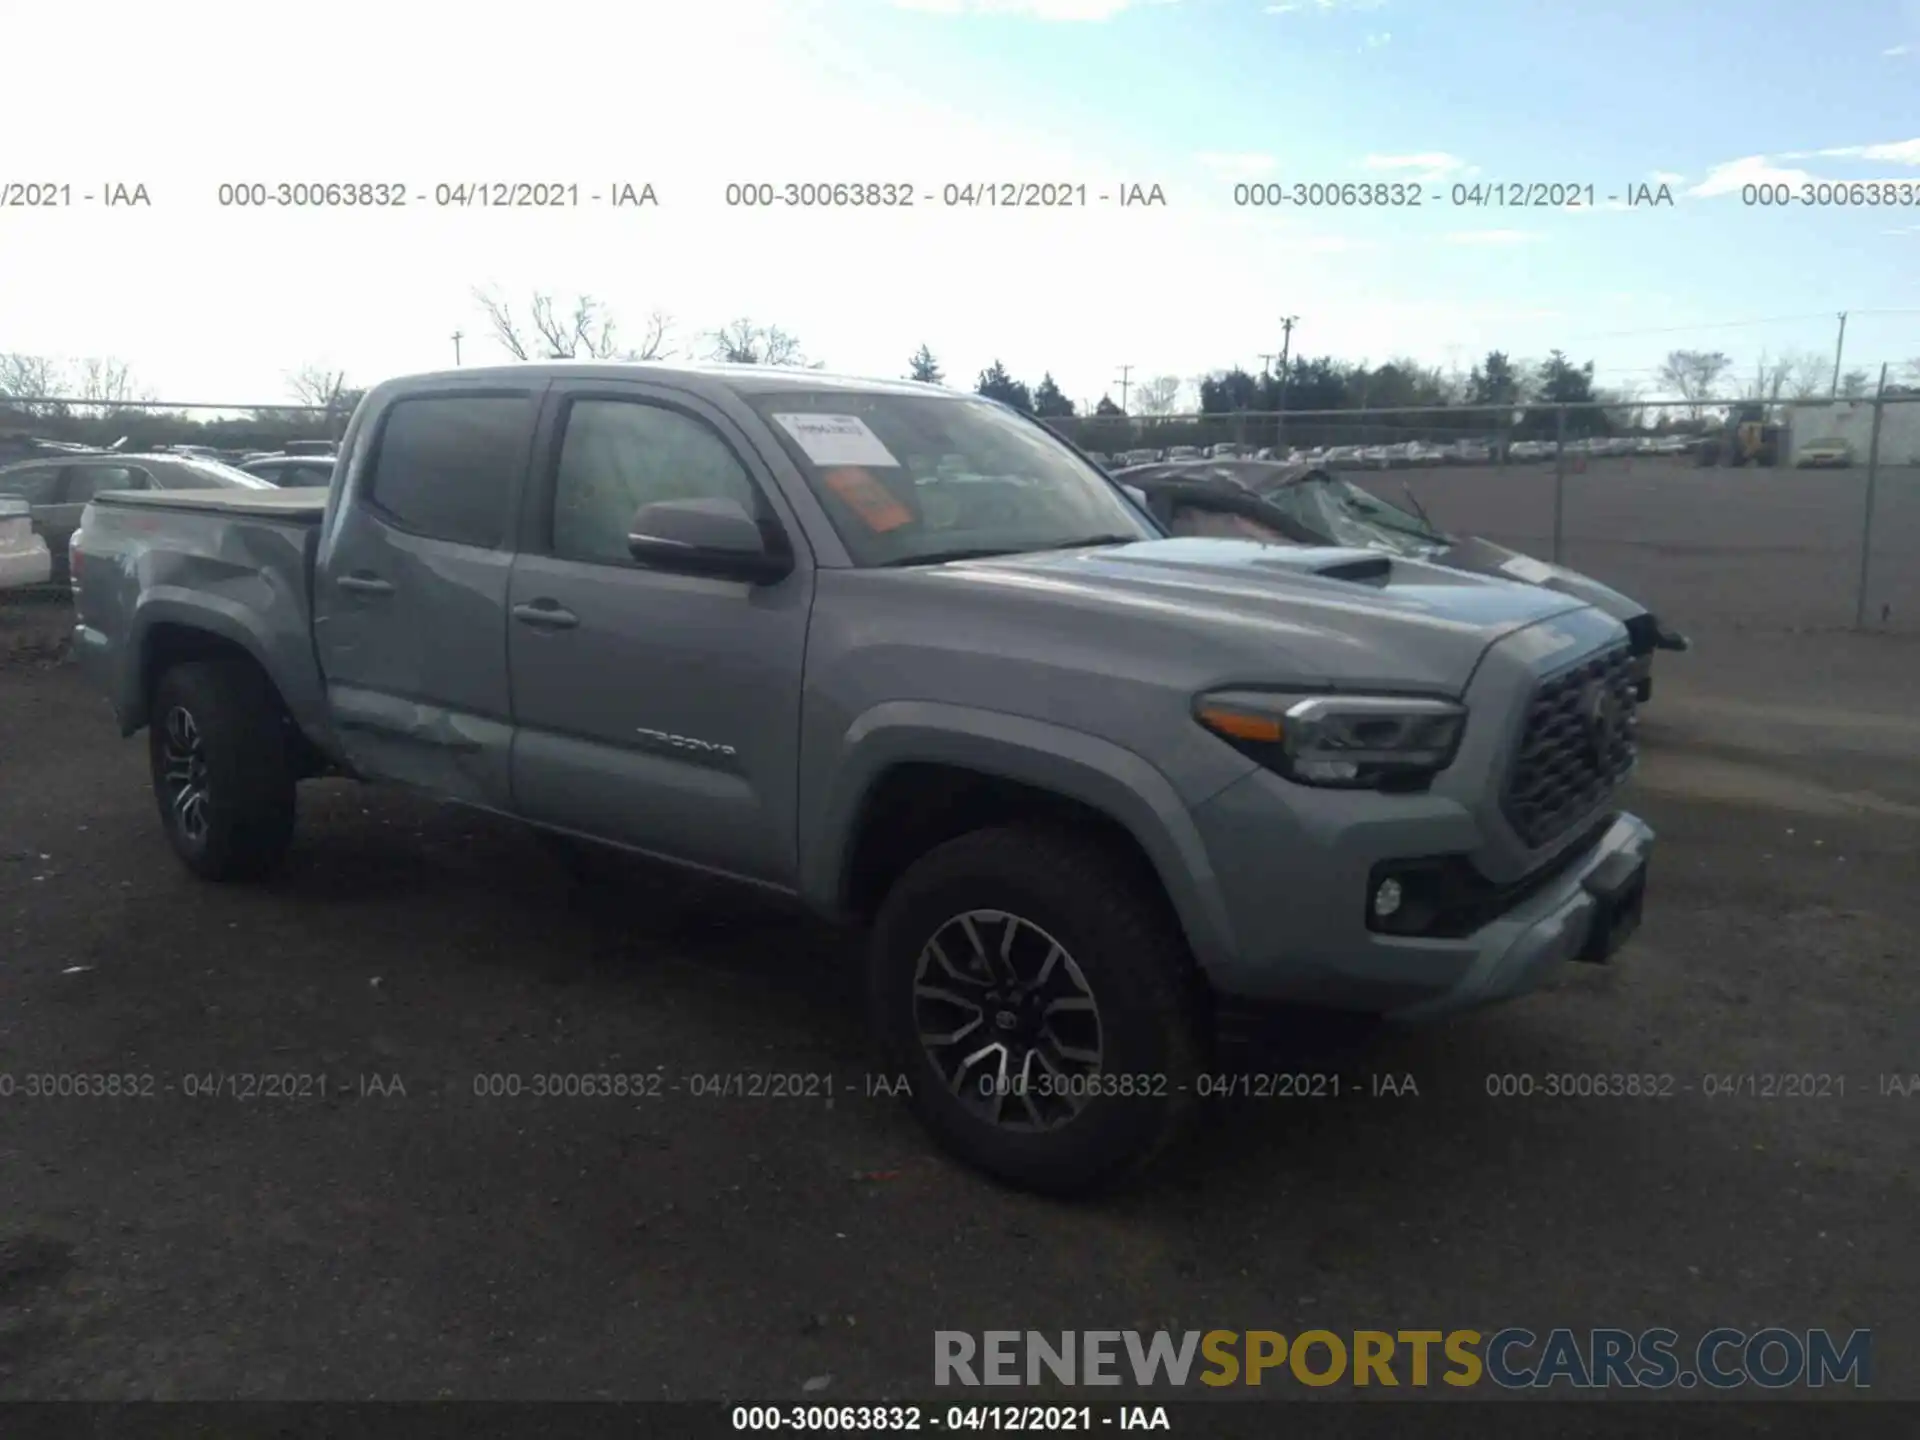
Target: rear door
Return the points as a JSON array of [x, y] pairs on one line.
[[656, 710], [410, 591], [77, 486]]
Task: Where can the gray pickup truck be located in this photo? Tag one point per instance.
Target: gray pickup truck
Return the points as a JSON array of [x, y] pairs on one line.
[[1099, 797]]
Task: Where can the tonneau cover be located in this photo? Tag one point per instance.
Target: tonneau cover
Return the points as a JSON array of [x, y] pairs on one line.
[[305, 504]]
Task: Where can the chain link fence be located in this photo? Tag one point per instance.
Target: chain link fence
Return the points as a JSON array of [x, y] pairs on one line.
[[1777, 516], [1730, 515]]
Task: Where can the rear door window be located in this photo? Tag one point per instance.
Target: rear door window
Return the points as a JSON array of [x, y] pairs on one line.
[[446, 466], [86, 481], [35, 484]]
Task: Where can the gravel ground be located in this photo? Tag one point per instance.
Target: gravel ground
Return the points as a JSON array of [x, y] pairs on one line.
[[405, 1236]]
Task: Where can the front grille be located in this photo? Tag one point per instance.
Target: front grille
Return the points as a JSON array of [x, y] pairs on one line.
[[1577, 745]]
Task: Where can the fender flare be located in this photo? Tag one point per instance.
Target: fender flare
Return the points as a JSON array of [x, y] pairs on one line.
[[1094, 772]]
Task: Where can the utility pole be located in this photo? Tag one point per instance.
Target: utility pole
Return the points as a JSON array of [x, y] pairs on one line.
[[1125, 371], [1266, 362], [456, 346], [1286, 348], [1838, 346]]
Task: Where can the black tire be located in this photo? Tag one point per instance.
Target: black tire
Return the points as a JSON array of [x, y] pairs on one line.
[[227, 713], [1119, 939]]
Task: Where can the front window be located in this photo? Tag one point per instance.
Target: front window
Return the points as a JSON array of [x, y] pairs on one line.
[[918, 479], [1350, 515]]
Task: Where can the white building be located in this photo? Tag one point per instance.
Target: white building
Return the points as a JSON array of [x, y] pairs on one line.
[[1852, 421]]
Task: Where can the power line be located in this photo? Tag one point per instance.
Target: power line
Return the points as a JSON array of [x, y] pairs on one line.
[[1731, 324]]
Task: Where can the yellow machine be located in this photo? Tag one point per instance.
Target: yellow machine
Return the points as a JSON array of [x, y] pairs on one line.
[[1748, 439]]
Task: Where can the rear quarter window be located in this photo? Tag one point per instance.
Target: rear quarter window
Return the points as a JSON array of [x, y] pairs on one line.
[[445, 466]]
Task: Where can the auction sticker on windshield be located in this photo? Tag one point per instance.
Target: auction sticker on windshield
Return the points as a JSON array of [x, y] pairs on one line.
[[868, 498], [837, 440]]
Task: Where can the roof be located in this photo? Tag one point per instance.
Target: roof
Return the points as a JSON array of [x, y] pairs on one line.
[[746, 379]]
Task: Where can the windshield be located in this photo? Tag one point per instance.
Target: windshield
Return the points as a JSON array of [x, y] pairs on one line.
[[913, 479], [198, 474], [1349, 515]]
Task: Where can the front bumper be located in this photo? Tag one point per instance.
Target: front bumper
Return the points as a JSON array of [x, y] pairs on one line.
[[1523, 948], [1299, 917]]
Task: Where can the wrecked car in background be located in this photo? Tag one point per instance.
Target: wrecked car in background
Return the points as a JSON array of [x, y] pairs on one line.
[[1306, 504]]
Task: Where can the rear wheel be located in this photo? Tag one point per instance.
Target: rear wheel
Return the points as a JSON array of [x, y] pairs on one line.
[[222, 769], [1041, 1001]]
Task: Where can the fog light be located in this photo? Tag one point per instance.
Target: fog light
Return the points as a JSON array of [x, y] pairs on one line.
[[1386, 899]]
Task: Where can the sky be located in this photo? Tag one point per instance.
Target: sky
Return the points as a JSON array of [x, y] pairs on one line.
[[219, 304]]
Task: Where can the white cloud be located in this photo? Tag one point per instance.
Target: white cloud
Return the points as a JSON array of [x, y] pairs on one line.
[[1323, 7], [1378, 39], [1669, 178], [1238, 166], [1895, 50], [1059, 10], [1728, 177], [1900, 152], [1428, 167], [1492, 237]]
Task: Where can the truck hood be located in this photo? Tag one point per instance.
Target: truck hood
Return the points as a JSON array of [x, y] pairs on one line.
[[1342, 615]]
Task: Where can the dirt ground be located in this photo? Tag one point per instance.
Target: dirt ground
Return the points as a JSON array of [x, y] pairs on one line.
[[407, 1234]]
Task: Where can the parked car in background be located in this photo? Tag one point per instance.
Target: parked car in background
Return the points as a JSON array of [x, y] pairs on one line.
[[291, 472], [1831, 453], [24, 557], [57, 488], [1185, 452], [1309, 505]]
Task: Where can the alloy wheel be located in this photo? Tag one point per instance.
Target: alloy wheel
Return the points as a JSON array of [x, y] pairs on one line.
[[184, 775], [1008, 1020]]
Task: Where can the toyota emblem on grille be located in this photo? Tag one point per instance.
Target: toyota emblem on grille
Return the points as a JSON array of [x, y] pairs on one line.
[[1600, 709]]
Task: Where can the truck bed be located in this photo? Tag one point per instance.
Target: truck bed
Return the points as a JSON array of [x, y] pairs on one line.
[[305, 505], [236, 565]]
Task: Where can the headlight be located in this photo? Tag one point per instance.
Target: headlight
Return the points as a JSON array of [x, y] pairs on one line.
[[1371, 742]]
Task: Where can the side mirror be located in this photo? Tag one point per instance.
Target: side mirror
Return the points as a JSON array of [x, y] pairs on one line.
[[706, 537]]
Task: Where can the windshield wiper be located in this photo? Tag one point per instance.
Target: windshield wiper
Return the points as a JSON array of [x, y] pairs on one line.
[[942, 557], [1091, 540]]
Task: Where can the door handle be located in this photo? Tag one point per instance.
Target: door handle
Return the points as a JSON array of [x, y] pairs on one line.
[[545, 615], [365, 584]]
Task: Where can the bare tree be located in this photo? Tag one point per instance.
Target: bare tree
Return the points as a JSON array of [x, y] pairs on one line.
[[587, 331], [1624, 410], [108, 382], [33, 377], [1158, 396], [316, 387], [1693, 375], [1808, 376], [745, 343], [1855, 385], [1771, 379], [1912, 370]]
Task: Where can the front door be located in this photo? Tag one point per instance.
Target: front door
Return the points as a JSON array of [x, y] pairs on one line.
[[660, 711], [410, 592]]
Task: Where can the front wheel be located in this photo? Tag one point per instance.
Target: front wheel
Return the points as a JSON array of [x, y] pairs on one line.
[[222, 769], [1043, 1005]]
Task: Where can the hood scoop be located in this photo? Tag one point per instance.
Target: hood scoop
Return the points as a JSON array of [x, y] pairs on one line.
[[1368, 570]]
